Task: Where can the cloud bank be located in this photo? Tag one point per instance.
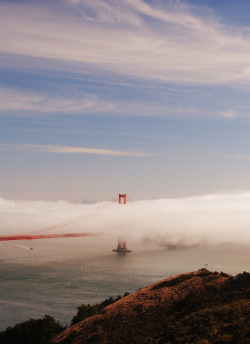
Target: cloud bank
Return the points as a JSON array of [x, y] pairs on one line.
[[211, 219]]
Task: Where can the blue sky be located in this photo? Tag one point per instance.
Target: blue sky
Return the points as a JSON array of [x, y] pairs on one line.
[[145, 97]]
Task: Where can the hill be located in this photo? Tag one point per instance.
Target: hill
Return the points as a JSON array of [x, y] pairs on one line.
[[200, 307]]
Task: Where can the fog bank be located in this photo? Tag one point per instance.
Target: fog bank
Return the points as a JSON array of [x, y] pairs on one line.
[[210, 219]]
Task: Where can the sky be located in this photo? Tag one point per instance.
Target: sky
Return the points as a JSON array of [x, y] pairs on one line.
[[147, 97]]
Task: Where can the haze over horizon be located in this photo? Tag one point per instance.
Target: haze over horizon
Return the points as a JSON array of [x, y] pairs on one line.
[[145, 97]]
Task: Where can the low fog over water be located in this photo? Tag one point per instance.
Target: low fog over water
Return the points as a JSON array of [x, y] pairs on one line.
[[167, 237], [211, 219]]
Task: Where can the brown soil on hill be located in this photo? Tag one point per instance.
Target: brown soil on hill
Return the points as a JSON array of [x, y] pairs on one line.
[[197, 307]]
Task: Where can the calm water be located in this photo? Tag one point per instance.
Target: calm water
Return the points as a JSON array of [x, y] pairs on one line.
[[56, 278]]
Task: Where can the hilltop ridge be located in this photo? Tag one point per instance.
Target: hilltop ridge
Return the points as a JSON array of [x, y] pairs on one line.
[[196, 307]]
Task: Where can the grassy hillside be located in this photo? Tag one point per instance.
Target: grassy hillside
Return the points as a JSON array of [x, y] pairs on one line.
[[199, 307]]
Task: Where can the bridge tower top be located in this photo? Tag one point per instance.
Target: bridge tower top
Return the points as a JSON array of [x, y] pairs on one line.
[[124, 197]]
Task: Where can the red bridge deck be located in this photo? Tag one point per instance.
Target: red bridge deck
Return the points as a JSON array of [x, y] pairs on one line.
[[45, 236]]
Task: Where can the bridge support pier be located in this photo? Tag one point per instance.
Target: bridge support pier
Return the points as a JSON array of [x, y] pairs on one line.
[[122, 246]]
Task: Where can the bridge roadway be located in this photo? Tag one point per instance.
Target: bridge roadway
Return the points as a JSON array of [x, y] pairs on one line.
[[45, 236]]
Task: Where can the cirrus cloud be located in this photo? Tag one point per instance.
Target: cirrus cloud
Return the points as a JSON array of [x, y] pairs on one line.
[[158, 42], [69, 150]]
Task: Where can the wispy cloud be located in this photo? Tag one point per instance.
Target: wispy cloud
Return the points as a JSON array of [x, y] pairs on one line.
[[229, 114], [109, 12], [243, 157], [70, 150], [30, 102], [117, 37], [20, 100]]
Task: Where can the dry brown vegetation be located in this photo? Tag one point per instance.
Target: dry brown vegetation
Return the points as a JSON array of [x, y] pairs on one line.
[[197, 307]]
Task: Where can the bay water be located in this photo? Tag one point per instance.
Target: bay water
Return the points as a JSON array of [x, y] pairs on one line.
[[55, 277]]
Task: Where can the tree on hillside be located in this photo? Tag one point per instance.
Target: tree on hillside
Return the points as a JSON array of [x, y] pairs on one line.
[[33, 331], [85, 311]]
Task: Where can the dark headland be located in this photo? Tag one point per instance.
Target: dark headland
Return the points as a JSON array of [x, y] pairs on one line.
[[200, 307]]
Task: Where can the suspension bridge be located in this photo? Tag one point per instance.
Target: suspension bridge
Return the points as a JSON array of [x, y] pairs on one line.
[[66, 229]]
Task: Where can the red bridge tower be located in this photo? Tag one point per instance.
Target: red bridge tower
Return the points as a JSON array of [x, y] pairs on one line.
[[122, 245], [124, 196]]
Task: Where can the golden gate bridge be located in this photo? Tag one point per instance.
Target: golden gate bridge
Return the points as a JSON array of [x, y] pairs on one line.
[[60, 228]]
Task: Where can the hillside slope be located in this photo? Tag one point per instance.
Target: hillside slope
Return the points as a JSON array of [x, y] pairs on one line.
[[197, 307]]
